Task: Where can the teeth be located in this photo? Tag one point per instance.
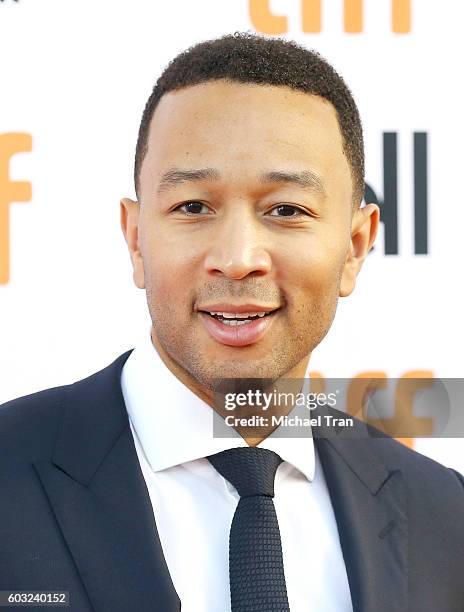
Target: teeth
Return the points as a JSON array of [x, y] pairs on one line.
[[239, 315], [234, 322]]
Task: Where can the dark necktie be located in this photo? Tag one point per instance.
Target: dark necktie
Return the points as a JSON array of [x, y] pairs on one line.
[[256, 569]]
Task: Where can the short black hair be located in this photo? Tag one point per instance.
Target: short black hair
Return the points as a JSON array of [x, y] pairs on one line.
[[251, 58]]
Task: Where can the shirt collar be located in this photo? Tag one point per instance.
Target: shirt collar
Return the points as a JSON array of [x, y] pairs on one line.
[[175, 426]]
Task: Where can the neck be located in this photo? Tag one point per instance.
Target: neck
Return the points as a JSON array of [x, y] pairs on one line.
[[207, 395]]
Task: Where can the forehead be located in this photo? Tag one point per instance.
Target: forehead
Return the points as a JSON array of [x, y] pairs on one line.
[[243, 127]]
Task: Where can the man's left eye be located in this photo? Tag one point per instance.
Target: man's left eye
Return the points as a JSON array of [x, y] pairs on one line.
[[287, 210]]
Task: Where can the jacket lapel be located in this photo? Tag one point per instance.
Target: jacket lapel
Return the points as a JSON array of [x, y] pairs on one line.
[[370, 509], [99, 497]]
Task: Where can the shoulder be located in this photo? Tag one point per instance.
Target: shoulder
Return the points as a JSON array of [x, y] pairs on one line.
[[369, 450], [430, 483], [415, 465], [28, 424]]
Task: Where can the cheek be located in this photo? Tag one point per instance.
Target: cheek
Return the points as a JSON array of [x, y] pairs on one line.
[[312, 273], [169, 273], [167, 286]]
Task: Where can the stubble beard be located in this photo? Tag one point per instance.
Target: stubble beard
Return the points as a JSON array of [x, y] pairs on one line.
[[292, 347]]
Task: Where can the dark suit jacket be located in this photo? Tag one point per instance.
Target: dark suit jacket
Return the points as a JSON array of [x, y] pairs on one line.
[[75, 513]]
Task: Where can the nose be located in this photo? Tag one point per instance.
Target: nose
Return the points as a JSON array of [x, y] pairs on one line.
[[239, 247]]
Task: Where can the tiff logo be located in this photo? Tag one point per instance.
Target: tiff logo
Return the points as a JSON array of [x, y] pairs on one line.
[[10, 191], [389, 203], [266, 22]]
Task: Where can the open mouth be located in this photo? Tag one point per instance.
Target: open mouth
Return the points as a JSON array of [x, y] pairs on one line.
[[243, 318], [237, 328]]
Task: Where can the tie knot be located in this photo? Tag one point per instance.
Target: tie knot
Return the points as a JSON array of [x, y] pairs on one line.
[[250, 470]]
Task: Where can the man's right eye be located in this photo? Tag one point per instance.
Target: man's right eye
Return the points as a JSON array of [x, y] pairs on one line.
[[192, 208]]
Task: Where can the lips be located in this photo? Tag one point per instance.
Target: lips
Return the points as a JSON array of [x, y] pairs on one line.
[[237, 328]]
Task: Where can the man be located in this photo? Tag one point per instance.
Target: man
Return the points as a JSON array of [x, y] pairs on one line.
[[247, 228]]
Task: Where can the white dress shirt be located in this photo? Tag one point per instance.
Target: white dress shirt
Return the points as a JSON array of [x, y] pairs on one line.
[[193, 504]]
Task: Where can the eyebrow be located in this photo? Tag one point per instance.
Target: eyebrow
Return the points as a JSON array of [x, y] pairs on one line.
[[305, 179]]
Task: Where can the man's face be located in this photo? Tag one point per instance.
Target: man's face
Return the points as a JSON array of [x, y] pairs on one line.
[[245, 207]]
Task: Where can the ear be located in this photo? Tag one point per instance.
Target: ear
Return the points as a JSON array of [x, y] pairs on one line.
[[364, 226], [130, 211]]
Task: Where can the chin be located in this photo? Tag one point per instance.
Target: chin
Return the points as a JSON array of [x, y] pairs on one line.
[[217, 377]]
